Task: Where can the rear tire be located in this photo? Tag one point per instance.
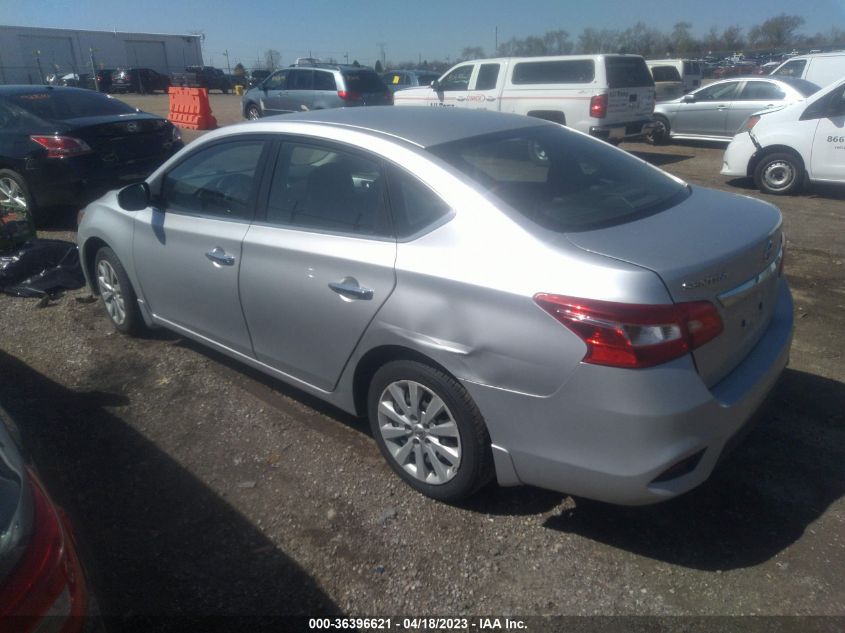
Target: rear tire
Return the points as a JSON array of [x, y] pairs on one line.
[[429, 430], [116, 293], [15, 193], [779, 173]]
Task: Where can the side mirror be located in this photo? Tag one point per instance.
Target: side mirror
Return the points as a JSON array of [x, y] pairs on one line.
[[688, 99], [134, 197], [435, 85]]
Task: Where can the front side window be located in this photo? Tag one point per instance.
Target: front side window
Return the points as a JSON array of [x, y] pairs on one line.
[[488, 75], [561, 180], [328, 189], [324, 81], [761, 91], [458, 79], [215, 181], [276, 81], [719, 92], [794, 68], [300, 80]]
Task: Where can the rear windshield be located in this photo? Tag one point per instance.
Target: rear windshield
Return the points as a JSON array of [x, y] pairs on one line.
[[692, 68], [665, 73], [806, 88], [363, 81], [562, 180], [61, 105], [574, 71], [627, 72]]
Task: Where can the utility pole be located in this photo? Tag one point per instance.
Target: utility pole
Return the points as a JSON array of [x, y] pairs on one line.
[[38, 63], [381, 46], [346, 57], [228, 66], [94, 70], [496, 43]]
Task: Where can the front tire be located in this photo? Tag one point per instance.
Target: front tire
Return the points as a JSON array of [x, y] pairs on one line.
[[779, 173], [660, 135], [253, 112], [116, 293], [429, 430]]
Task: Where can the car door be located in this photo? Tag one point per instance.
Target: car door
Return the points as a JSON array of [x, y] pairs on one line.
[[705, 111], [484, 91], [298, 95], [753, 96], [187, 248], [828, 158], [320, 262], [453, 87], [272, 89]]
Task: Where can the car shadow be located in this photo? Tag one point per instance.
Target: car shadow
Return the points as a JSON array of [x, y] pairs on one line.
[[758, 501], [822, 190], [157, 541], [658, 159]]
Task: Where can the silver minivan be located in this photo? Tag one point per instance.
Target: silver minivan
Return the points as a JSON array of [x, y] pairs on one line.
[[315, 87]]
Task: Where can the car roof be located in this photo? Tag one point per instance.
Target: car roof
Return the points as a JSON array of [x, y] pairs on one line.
[[8, 91], [422, 126]]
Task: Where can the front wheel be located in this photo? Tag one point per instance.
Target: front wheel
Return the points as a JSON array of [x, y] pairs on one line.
[[429, 430], [116, 293], [252, 112], [659, 134], [780, 173]]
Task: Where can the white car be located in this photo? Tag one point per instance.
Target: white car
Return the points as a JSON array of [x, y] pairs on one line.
[[782, 148]]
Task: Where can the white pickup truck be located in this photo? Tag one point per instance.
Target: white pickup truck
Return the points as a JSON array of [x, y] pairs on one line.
[[607, 96]]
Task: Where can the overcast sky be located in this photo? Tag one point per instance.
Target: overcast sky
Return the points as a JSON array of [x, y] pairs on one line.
[[409, 29]]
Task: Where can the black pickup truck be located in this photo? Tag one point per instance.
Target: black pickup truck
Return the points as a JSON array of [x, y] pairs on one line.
[[202, 77]]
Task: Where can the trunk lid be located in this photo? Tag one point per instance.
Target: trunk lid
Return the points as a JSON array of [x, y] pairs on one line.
[[713, 246], [123, 138]]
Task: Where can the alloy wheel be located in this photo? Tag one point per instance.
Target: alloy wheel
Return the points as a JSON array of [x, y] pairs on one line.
[[110, 291], [419, 431], [12, 196]]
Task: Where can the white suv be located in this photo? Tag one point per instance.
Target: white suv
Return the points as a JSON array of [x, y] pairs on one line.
[[781, 148]]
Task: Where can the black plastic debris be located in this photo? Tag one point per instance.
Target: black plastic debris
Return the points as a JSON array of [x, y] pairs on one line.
[[16, 227], [41, 267]]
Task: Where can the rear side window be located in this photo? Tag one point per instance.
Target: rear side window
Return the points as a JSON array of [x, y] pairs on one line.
[[627, 72], [363, 81], [216, 181], [665, 73], [795, 68], [61, 105], [576, 71], [761, 91], [562, 180], [691, 68], [324, 81], [317, 187], [300, 80], [488, 75]]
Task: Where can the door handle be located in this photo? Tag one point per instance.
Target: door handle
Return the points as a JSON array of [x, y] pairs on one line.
[[490, 98], [721, 107], [219, 257], [350, 288], [460, 98]]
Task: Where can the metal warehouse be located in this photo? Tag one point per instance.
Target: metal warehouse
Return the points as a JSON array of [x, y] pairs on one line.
[[28, 55]]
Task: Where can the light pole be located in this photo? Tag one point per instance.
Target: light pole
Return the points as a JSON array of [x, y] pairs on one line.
[[38, 62], [228, 66], [94, 70]]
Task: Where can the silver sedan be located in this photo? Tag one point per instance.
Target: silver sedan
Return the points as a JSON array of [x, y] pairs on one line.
[[716, 111], [501, 296]]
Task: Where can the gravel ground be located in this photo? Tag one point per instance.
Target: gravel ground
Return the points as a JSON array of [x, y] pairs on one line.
[[201, 487]]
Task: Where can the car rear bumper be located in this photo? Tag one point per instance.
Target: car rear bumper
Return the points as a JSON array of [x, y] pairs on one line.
[[632, 437], [622, 130]]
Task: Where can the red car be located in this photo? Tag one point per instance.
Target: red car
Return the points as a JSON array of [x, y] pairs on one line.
[[42, 584], [737, 70]]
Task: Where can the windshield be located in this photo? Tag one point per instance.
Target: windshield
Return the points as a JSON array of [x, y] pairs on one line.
[[806, 88], [62, 105], [561, 180]]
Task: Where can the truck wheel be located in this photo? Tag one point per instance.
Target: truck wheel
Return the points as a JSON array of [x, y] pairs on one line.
[[779, 173]]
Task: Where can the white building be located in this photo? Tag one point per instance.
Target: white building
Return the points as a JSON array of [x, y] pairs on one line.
[[27, 54]]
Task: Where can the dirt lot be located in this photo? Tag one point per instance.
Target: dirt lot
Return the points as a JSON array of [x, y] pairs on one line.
[[199, 486]]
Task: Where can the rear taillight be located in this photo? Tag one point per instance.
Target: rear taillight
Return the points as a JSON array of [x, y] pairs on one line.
[[347, 95], [598, 106], [634, 335], [782, 256], [62, 146], [46, 589]]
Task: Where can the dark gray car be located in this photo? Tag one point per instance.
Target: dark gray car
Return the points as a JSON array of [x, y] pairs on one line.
[[715, 112], [317, 87], [401, 79]]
